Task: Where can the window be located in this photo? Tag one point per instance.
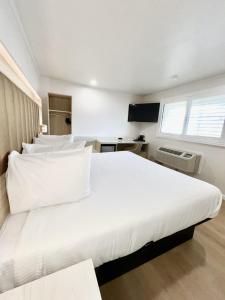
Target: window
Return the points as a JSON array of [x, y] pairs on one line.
[[200, 119], [173, 117], [207, 117]]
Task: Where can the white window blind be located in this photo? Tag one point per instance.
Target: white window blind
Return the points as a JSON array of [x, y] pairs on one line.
[[200, 120], [173, 117], [207, 117]]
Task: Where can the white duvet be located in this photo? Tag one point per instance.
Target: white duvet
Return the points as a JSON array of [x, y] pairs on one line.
[[133, 201]]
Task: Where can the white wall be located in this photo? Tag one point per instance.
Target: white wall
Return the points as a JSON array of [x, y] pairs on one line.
[[12, 36], [95, 112], [212, 168]]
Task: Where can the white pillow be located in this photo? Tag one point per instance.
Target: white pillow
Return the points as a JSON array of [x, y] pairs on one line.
[[53, 139], [42, 179], [39, 148]]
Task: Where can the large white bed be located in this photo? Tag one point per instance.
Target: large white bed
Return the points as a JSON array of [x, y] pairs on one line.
[[133, 201]]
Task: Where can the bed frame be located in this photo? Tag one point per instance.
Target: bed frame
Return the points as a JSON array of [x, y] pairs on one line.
[[120, 266]]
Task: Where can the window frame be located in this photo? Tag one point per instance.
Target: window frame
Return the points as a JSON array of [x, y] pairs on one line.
[[191, 138]]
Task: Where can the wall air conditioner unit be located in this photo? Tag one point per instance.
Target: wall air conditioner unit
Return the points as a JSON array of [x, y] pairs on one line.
[[180, 160]]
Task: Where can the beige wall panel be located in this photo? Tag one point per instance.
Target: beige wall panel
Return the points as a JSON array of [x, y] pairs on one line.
[[19, 122]]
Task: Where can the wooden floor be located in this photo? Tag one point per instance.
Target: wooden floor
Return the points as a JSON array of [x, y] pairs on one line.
[[193, 271]]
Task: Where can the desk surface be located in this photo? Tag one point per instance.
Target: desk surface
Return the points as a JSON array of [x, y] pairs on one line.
[[73, 283], [111, 140]]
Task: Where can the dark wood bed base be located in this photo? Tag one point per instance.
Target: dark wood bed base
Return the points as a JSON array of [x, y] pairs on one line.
[[120, 266]]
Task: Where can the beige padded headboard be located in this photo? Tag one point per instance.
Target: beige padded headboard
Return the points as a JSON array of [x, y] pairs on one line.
[[19, 122]]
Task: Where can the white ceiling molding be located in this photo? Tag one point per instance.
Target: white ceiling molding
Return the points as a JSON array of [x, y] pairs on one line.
[[21, 27], [11, 70]]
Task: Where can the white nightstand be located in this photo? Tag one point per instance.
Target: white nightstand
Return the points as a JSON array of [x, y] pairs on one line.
[[74, 283]]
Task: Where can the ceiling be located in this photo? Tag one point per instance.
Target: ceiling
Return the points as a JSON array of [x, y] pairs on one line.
[[129, 45]]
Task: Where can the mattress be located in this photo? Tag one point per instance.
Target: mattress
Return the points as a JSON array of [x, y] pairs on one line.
[[133, 201]]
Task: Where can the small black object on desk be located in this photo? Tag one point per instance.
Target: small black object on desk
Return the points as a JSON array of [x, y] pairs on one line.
[[141, 138]]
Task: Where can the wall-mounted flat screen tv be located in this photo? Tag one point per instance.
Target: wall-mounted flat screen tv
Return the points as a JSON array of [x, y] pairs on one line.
[[144, 112]]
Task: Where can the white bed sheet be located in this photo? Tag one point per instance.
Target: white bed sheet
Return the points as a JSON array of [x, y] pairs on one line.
[[133, 201]]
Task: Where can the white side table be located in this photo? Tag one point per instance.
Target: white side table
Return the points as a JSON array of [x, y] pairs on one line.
[[74, 283]]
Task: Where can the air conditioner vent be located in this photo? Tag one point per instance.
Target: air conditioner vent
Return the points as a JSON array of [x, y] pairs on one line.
[[175, 152], [177, 159]]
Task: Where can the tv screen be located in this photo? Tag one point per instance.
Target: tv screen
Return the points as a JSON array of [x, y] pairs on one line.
[[145, 112]]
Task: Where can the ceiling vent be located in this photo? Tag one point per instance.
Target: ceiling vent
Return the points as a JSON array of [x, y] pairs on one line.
[[180, 160]]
